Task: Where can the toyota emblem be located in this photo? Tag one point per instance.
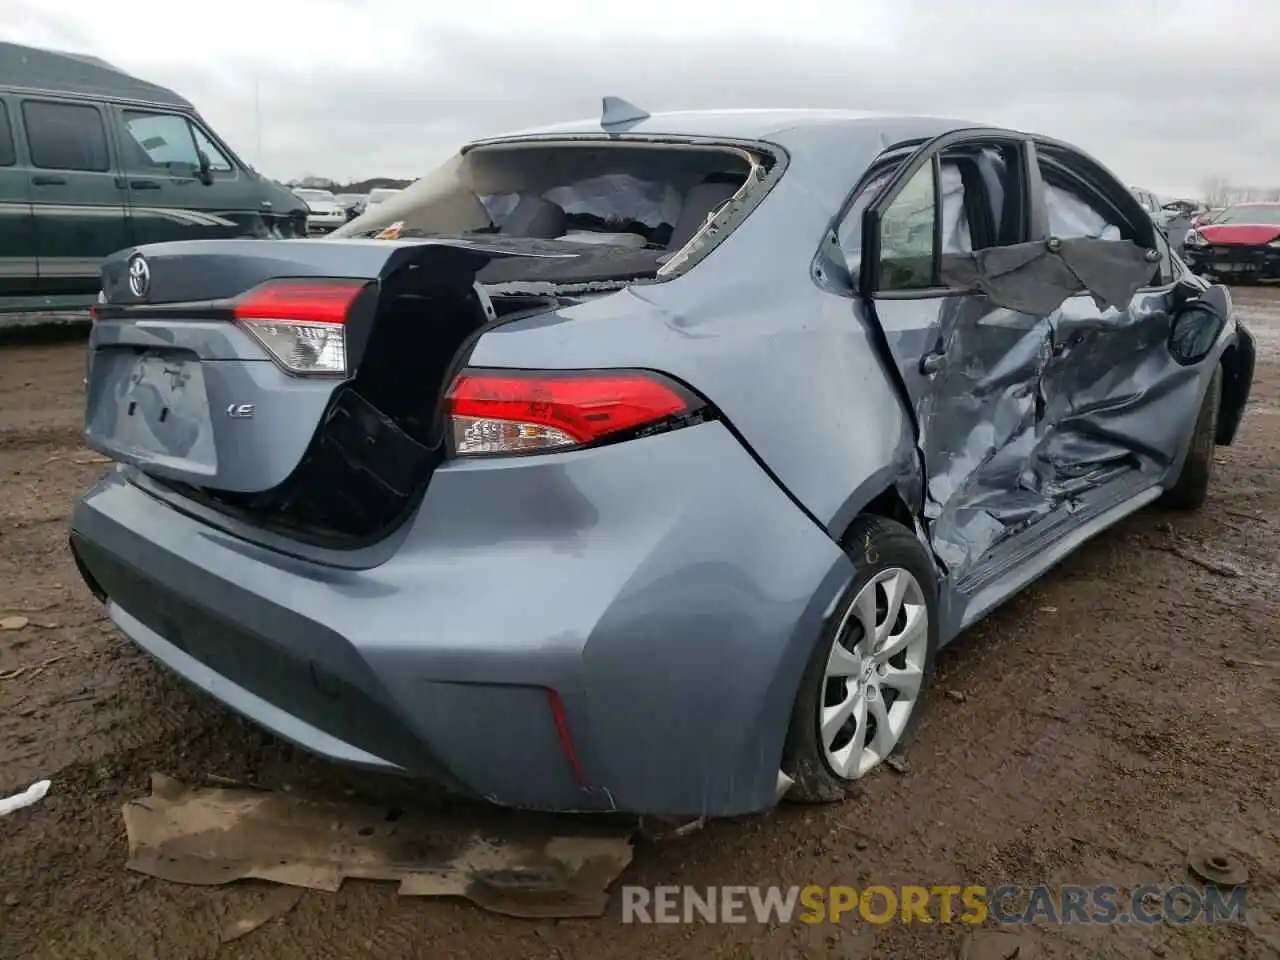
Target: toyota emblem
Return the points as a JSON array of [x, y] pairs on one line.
[[139, 276]]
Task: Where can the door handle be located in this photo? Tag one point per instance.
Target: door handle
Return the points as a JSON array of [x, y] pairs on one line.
[[48, 180], [144, 184]]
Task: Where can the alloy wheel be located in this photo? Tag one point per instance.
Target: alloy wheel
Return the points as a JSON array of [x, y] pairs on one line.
[[874, 673]]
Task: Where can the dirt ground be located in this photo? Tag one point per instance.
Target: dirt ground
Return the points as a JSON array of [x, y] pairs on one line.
[[1124, 709]]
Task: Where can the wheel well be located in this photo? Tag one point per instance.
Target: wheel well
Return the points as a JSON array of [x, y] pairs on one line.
[[890, 505], [1237, 371]]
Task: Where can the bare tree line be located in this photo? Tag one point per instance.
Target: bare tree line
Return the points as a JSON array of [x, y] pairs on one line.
[[1218, 192]]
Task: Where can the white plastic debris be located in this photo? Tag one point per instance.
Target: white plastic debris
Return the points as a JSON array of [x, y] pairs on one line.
[[33, 794]]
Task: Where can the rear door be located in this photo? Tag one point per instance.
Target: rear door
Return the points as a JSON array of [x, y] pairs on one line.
[[971, 369], [160, 157], [1118, 407], [78, 202], [17, 224]]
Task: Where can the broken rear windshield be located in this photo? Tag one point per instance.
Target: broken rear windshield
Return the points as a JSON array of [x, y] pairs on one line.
[[638, 196]]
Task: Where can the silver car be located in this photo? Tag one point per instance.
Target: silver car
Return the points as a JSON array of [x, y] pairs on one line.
[[324, 211], [651, 466]]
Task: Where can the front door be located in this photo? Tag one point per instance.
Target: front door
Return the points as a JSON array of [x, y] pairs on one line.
[[182, 186], [78, 203], [17, 224], [1118, 405], [971, 368]]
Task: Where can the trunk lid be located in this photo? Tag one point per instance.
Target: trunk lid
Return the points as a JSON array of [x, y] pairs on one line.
[[184, 386]]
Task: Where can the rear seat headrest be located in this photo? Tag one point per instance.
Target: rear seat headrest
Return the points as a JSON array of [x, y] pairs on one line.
[[535, 217], [699, 203]]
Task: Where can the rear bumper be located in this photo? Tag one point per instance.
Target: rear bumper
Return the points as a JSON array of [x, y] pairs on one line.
[[665, 589]]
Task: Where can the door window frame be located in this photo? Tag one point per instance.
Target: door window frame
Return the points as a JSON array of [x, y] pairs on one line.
[[1103, 190], [126, 113], [194, 127], [234, 163], [930, 152], [9, 128], [96, 107]]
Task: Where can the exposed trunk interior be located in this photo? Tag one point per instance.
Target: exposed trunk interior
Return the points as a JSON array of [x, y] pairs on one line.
[[368, 464]]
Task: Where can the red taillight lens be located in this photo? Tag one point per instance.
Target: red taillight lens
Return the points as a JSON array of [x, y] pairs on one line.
[[301, 322], [302, 301], [494, 412]]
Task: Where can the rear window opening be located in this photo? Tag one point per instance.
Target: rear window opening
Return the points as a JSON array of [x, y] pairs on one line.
[[628, 210]]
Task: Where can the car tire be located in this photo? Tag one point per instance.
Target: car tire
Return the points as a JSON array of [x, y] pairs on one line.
[[1191, 489], [877, 547]]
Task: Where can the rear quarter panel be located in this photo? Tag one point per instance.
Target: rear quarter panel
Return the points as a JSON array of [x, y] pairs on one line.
[[793, 368]]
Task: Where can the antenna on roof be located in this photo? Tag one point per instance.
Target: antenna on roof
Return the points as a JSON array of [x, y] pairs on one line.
[[616, 110]]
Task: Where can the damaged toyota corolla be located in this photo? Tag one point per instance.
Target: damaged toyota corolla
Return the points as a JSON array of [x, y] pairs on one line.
[[650, 464]]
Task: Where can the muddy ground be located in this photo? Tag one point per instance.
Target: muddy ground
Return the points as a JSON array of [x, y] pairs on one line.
[[1124, 709]]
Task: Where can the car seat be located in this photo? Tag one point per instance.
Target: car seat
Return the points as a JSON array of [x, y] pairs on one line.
[[700, 203], [536, 218]]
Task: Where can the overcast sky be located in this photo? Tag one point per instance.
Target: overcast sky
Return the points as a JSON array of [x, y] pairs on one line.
[[1166, 92]]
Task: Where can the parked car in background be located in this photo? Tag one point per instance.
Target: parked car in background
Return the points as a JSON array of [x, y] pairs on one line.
[[652, 471], [1148, 201], [353, 203], [93, 160], [325, 213], [1240, 243], [1206, 216], [1177, 210], [1176, 218], [379, 195]]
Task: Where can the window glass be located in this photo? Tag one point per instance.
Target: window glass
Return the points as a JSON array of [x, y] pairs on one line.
[[66, 136], [956, 236], [8, 155], [1166, 258], [218, 161], [982, 181], [1072, 215], [906, 235], [849, 235], [157, 140]]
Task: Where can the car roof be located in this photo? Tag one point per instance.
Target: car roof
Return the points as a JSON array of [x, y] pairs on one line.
[[748, 124], [51, 71]]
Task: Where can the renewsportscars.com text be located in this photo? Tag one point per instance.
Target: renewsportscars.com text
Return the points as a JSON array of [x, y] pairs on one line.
[[1008, 904]]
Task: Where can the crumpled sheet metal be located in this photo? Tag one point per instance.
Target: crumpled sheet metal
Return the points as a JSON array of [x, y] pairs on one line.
[[1037, 278], [1035, 411], [979, 427], [209, 836]]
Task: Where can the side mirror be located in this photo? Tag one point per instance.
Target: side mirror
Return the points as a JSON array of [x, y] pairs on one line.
[[1198, 319], [1184, 292]]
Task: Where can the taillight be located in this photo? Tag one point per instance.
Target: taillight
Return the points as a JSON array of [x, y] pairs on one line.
[[301, 322], [530, 411]]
